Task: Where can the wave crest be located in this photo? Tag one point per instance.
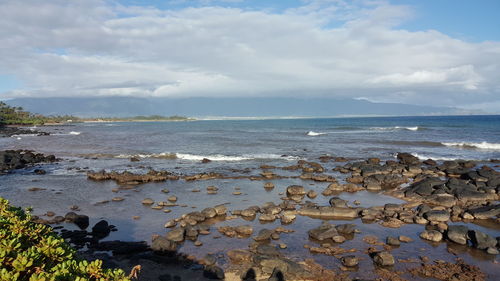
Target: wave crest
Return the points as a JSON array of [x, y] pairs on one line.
[[313, 134], [474, 145], [212, 157]]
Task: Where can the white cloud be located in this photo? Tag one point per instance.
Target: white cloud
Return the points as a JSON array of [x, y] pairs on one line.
[[324, 48]]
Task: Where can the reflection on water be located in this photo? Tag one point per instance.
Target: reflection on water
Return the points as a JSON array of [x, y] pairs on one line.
[[63, 191]]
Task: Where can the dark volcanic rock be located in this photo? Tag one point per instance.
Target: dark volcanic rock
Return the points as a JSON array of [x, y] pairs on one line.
[[82, 221], [485, 212], [213, 272], [18, 159], [121, 247], [458, 234], [438, 216], [325, 231], [101, 229], [408, 159], [383, 259], [482, 240], [162, 244]]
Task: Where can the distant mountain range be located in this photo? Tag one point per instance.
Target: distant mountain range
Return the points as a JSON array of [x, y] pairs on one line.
[[221, 107]]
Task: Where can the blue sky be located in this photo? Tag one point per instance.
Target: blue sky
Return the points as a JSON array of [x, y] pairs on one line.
[[432, 52]]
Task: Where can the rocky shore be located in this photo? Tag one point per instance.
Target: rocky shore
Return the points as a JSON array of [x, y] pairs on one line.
[[436, 195], [10, 131], [19, 159]]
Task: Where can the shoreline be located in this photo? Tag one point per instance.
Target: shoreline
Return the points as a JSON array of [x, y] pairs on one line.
[[306, 202]]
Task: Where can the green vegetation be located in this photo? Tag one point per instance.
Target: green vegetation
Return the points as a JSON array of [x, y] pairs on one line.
[[11, 115], [31, 251]]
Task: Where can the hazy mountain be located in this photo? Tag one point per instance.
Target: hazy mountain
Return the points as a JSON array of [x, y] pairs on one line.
[[230, 107]]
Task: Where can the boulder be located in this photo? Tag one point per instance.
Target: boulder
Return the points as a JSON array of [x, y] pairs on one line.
[[176, 234], [264, 234], [458, 234], [485, 212], [482, 240], [347, 228], [101, 229], [337, 202], [407, 159], [325, 231], [295, 190], [220, 210], [437, 215], [162, 244], [245, 230], [213, 272]]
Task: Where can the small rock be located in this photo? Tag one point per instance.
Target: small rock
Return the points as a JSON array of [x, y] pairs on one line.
[[392, 241], [312, 194], [117, 199], [268, 186], [148, 201], [213, 272], [172, 199], [349, 261], [492, 251], [170, 223], [431, 235], [383, 259], [198, 243], [405, 239]]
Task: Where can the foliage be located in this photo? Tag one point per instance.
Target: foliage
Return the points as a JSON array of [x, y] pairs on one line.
[[31, 251], [11, 115]]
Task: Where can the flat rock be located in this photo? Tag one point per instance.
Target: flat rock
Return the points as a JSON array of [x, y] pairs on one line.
[[485, 212], [437, 215]]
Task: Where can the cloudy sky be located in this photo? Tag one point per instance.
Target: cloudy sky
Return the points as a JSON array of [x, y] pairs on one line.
[[425, 52]]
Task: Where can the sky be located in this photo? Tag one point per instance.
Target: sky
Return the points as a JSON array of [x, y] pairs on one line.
[[423, 52]]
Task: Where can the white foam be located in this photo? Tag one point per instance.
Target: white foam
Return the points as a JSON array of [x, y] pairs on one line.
[[313, 134], [480, 145], [212, 157], [415, 128], [23, 135], [74, 133], [215, 157], [408, 128], [425, 157]]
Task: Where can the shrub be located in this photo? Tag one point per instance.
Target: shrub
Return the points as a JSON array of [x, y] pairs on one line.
[[32, 251]]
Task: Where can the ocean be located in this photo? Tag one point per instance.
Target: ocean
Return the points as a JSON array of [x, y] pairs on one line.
[[240, 147], [240, 141]]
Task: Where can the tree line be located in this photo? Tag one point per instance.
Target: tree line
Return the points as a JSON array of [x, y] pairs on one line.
[[12, 115]]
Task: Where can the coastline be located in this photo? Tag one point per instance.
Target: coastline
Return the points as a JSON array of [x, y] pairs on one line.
[[316, 197]]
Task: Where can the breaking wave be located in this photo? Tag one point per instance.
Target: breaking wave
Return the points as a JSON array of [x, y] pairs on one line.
[[395, 128], [313, 134], [425, 157], [212, 157], [474, 145]]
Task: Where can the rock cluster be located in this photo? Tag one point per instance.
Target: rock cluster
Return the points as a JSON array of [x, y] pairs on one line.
[[19, 159]]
